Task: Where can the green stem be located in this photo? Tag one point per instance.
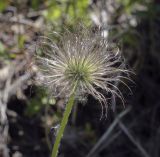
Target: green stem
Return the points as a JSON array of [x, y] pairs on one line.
[[63, 124]]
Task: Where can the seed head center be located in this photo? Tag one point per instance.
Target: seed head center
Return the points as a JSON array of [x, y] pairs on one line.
[[77, 71]]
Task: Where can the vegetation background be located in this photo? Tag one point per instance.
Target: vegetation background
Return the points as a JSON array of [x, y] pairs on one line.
[[29, 119]]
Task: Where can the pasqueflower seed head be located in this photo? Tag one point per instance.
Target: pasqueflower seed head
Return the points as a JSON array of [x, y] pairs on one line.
[[84, 58]]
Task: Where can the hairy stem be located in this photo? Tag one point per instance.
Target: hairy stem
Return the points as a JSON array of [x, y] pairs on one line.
[[63, 124]]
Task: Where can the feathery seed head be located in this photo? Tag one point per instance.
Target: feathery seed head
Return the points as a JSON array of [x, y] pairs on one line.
[[84, 58]]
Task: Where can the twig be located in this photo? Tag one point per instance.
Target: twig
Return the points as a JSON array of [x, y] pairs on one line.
[[14, 20]]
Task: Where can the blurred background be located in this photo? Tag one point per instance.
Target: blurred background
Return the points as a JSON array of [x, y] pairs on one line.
[[29, 118]]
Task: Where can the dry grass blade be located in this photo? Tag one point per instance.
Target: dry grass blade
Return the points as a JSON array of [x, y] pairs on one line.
[[133, 140], [107, 134]]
